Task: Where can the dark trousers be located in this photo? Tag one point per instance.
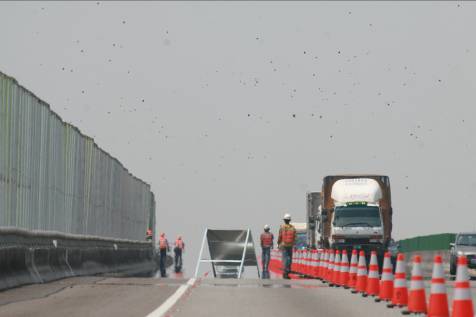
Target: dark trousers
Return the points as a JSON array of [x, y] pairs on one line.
[[265, 257], [287, 260], [178, 259], [163, 256]]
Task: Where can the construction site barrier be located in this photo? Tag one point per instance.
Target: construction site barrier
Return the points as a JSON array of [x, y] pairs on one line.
[[28, 257]]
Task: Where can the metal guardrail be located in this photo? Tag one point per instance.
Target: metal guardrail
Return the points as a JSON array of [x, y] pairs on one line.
[[54, 178], [16, 237]]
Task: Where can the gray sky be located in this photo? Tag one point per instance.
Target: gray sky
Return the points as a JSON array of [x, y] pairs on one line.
[[232, 111]]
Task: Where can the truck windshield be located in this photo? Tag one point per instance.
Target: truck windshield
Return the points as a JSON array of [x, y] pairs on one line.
[[467, 239], [357, 216]]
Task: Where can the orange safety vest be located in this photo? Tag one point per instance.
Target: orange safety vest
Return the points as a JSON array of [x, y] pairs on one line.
[[179, 243], [288, 234], [163, 243], [266, 239]]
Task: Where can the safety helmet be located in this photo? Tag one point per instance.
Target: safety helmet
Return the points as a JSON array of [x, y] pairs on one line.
[[266, 227], [287, 217]]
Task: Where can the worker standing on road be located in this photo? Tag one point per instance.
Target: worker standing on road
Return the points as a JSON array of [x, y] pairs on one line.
[[163, 249], [286, 240], [148, 235], [266, 246], [178, 250]]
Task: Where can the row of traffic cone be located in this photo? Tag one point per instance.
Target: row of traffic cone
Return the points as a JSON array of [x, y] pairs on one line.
[[334, 268]]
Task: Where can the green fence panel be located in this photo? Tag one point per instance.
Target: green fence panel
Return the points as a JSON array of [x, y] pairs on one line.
[[427, 243]]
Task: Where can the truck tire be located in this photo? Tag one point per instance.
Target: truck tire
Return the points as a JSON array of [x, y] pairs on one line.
[[452, 268]]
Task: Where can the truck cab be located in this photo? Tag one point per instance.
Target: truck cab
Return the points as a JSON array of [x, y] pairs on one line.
[[356, 225]]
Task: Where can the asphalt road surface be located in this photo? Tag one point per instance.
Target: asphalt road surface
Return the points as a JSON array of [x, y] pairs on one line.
[[106, 296]]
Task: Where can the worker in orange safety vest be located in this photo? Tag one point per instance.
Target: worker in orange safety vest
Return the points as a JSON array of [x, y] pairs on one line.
[[286, 240], [266, 239], [163, 249], [178, 250], [148, 235]]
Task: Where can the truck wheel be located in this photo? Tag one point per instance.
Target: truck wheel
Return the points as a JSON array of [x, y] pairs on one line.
[[452, 268]]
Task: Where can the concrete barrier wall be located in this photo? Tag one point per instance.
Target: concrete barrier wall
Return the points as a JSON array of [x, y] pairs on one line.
[[28, 257]]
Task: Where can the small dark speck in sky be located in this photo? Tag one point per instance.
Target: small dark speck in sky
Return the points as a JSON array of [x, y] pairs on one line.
[[249, 115], [320, 117], [294, 115], [406, 187], [143, 100], [338, 52], [123, 22]]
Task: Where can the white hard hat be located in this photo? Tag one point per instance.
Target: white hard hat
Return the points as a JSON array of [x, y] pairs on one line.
[[266, 227], [287, 217]]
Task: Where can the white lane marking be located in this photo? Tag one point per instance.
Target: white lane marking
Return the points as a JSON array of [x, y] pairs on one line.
[[172, 300]]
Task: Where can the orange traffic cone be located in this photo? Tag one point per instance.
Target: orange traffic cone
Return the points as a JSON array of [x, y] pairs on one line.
[[344, 270], [324, 265], [462, 300], [336, 274], [314, 263], [320, 259], [299, 262], [438, 306], [306, 263], [373, 283], [353, 270], [417, 296], [325, 270], [309, 263], [330, 267], [386, 282], [361, 284], [294, 262], [400, 292]]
